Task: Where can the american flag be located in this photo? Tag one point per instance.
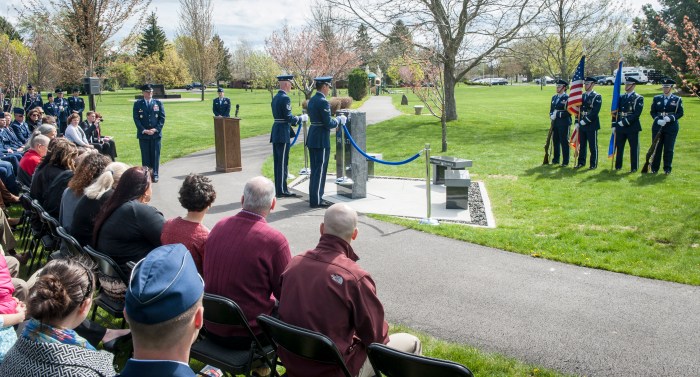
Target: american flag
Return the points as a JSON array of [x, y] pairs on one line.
[[576, 88]]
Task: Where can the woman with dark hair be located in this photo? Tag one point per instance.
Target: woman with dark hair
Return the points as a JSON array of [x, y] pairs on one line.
[[196, 196], [52, 175], [58, 302], [87, 171]]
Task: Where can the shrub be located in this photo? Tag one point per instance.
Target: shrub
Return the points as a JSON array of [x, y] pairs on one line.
[[357, 84]]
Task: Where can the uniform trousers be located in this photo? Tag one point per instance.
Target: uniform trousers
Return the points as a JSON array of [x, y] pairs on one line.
[[623, 136], [150, 154], [7, 175], [588, 140], [665, 147], [317, 179], [280, 154], [560, 137]]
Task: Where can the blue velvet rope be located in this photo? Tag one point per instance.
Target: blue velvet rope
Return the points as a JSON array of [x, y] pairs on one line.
[[299, 130], [347, 134]]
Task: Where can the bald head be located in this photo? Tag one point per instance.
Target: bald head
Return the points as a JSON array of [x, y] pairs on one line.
[[259, 195], [341, 221]]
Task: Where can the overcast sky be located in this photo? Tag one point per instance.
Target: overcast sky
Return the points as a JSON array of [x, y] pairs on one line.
[[251, 20]]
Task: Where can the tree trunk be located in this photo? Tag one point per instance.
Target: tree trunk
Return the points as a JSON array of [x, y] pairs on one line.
[[443, 122], [450, 110], [202, 82]]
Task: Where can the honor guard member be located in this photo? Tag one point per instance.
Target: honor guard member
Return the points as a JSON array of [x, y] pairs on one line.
[[319, 140], [282, 132], [149, 117], [50, 107], [20, 127], [561, 122], [76, 104], [222, 105], [666, 109], [63, 110], [589, 124], [627, 128], [31, 99], [5, 103]]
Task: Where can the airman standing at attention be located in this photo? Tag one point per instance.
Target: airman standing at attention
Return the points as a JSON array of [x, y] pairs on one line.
[[31, 99], [149, 117], [222, 105], [589, 124], [666, 109], [63, 110], [628, 127], [5, 103], [561, 120], [282, 132], [76, 104], [50, 107]]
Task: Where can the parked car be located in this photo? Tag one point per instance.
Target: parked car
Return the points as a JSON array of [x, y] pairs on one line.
[[195, 85], [545, 80], [607, 80], [498, 81]]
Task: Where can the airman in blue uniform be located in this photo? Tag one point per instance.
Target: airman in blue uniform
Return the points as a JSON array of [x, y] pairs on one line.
[[5, 103], [589, 124], [666, 109], [318, 141], [149, 117], [50, 107], [31, 99], [63, 110], [222, 105], [281, 133], [20, 127], [628, 127], [76, 104], [561, 120]]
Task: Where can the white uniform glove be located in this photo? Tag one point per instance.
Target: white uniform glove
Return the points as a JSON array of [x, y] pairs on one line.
[[667, 119], [661, 122], [304, 117], [583, 122], [341, 119], [620, 124], [613, 130], [553, 116]]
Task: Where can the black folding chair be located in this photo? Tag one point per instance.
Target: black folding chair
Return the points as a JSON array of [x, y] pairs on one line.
[[107, 267], [224, 311], [44, 239], [304, 343], [24, 225], [70, 243], [389, 362]]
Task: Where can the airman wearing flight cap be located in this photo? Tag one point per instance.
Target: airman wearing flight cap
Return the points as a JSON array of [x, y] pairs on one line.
[[628, 127], [282, 132], [589, 124], [222, 105], [76, 104], [149, 117], [163, 306], [561, 122], [666, 109], [31, 99]]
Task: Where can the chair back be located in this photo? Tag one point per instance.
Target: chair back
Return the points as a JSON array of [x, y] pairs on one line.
[[106, 265], [302, 342], [26, 202], [51, 224], [72, 245], [224, 311], [389, 362]]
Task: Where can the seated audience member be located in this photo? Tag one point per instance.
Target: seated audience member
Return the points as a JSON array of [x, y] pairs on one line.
[[58, 302], [12, 309], [164, 311], [196, 196], [33, 121], [88, 169], [38, 147], [76, 134], [48, 130], [52, 175], [19, 127], [244, 260], [93, 132], [9, 158], [127, 228], [325, 290], [89, 205]]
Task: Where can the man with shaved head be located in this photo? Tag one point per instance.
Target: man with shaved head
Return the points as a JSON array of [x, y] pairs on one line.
[[325, 290]]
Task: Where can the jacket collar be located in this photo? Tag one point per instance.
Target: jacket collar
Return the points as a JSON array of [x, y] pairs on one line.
[[335, 244]]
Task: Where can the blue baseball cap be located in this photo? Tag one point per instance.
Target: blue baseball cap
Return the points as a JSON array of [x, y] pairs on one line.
[[285, 77], [163, 285]]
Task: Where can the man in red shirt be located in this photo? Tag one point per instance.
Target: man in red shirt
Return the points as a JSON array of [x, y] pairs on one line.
[[39, 145], [245, 258], [326, 291]]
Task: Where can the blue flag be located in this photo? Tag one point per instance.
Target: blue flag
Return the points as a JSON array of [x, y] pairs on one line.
[[615, 107]]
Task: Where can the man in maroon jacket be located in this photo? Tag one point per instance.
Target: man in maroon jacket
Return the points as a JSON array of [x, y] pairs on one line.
[[324, 290]]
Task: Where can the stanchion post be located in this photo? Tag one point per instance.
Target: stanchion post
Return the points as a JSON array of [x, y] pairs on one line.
[[305, 170], [428, 220]]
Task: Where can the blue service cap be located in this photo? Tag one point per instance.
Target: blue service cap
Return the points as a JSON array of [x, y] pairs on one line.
[[667, 82], [590, 79], [29, 86], [58, 90], [2, 115], [163, 285], [219, 90], [285, 77], [324, 79], [562, 82], [18, 110], [146, 88], [631, 80], [76, 89]]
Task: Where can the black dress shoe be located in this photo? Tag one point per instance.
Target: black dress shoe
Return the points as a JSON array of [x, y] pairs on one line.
[[633, 171], [564, 165], [288, 195], [155, 180], [593, 167], [667, 172], [323, 204], [579, 166]]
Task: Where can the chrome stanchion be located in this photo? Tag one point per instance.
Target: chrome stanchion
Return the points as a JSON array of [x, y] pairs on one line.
[[305, 170], [428, 220]]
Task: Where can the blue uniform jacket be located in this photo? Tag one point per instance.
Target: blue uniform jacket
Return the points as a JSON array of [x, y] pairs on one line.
[[672, 109], [62, 102], [590, 108], [6, 105], [29, 102], [558, 108], [147, 117], [50, 108], [21, 130], [321, 122], [631, 106], [160, 368], [282, 112], [222, 107], [76, 104], [9, 139]]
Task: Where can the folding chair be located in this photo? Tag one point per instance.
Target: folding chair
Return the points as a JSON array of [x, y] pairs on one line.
[[305, 343], [43, 240], [71, 244], [224, 311], [24, 225], [107, 267], [389, 362]]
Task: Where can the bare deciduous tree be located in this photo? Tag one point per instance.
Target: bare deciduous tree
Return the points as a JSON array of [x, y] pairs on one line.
[[295, 52], [195, 39]]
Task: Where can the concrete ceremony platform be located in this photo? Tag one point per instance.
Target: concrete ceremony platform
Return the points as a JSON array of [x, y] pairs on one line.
[[405, 197]]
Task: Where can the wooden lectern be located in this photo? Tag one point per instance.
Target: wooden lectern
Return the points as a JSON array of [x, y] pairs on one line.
[[227, 139]]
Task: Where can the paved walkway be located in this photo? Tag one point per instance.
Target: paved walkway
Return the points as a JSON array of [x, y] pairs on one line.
[[573, 319]]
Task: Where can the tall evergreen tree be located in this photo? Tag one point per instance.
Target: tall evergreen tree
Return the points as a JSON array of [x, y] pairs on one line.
[[7, 28], [363, 46], [153, 39], [223, 71]]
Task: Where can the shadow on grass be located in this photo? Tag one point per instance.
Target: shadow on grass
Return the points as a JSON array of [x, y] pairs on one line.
[[606, 175], [649, 179]]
